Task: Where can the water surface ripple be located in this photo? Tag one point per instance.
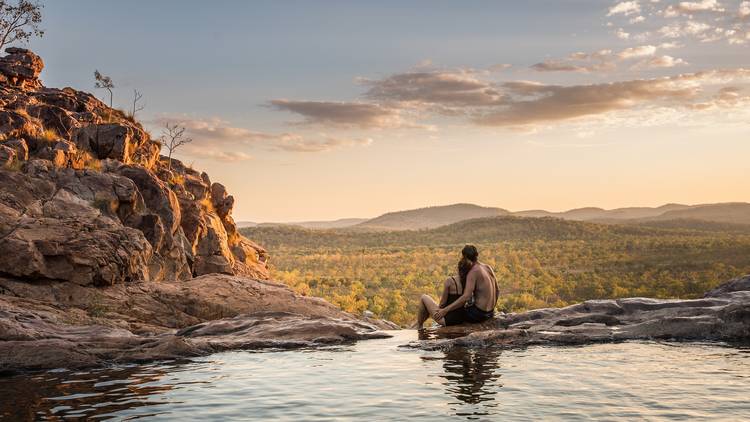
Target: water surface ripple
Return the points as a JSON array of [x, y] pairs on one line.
[[377, 380]]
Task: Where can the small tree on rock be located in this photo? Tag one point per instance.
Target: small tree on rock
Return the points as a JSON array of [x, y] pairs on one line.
[[104, 82], [137, 96], [172, 138], [19, 21]]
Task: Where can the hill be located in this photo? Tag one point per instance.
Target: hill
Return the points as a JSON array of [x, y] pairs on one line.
[[732, 213], [600, 214], [430, 217]]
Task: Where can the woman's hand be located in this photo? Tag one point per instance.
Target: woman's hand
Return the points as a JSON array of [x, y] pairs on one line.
[[439, 314]]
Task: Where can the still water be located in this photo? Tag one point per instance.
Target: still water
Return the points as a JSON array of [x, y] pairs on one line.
[[377, 380]]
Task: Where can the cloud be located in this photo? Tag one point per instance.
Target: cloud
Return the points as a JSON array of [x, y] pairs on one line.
[[551, 103], [347, 114], [444, 88], [678, 30], [215, 138], [533, 103], [325, 143], [602, 60], [635, 52], [558, 66], [660, 62], [625, 8], [499, 67], [704, 20], [689, 7], [218, 155]]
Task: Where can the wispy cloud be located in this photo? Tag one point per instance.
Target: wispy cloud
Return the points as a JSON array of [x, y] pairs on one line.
[[215, 138], [444, 88], [625, 8], [532, 104], [345, 114], [704, 20]]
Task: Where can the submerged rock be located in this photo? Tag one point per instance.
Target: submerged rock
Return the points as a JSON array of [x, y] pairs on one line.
[[722, 315]]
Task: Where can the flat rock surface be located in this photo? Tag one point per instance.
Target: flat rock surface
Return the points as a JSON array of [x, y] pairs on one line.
[[49, 325], [723, 314]]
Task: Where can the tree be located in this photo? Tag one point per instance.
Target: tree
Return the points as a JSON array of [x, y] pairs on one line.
[[19, 21], [137, 96], [104, 82], [172, 138]]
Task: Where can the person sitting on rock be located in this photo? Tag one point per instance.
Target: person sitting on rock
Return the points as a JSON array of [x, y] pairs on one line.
[[473, 300]]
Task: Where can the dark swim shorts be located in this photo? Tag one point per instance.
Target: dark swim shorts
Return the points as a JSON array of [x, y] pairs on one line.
[[470, 314], [476, 315]]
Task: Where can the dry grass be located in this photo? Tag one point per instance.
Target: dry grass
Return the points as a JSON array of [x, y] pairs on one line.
[[93, 163], [177, 180], [15, 165], [50, 135]]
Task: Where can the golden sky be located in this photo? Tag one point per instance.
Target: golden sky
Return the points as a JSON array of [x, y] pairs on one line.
[[322, 110]]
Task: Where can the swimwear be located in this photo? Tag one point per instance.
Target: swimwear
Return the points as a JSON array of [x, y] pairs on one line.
[[456, 316]]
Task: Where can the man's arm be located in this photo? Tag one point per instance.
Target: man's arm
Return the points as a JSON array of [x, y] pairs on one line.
[[471, 282], [444, 296]]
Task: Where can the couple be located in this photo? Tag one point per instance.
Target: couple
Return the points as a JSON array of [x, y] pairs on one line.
[[470, 297]]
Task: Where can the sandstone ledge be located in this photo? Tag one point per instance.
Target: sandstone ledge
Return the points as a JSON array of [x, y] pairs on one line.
[[723, 314], [50, 325]]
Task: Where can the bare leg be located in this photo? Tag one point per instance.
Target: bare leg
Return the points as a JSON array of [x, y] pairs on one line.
[[428, 307], [421, 316]]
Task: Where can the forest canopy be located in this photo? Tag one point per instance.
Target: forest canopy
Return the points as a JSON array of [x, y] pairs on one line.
[[540, 262]]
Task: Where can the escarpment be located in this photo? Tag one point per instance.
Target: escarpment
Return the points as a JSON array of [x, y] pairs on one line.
[[85, 196]]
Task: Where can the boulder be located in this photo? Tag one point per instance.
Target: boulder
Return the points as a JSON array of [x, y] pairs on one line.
[[20, 146], [7, 156], [21, 67], [109, 140], [156, 195], [51, 230], [15, 124]]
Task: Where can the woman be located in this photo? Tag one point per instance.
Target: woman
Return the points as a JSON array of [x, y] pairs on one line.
[[453, 288]]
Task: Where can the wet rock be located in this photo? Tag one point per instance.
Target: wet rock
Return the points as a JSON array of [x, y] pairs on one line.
[[48, 325], [723, 315]]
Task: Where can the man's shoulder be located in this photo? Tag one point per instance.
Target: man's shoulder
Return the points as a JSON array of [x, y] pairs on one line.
[[483, 268]]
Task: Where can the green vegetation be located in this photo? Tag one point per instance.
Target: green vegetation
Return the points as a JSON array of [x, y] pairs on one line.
[[539, 262]]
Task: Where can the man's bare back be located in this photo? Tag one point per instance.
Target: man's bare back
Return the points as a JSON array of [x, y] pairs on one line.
[[485, 290]]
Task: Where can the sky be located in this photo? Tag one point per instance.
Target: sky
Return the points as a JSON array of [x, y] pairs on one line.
[[311, 110]]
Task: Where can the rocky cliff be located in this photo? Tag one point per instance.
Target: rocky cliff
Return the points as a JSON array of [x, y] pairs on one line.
[[85, 196], [109, 252]]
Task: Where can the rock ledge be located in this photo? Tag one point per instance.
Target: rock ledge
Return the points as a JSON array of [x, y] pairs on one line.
[[722, 315]]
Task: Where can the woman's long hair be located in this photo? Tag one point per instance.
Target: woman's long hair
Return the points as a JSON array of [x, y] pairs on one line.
[[464, 266]]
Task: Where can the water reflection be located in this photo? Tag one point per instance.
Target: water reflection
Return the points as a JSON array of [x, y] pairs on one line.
[[378, 380], [65, 394], [472, 375]]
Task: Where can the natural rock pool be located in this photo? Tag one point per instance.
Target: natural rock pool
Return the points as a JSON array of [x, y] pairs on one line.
[[378, 380]]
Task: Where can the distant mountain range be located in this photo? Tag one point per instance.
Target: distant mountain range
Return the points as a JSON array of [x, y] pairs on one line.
[[671, 215]]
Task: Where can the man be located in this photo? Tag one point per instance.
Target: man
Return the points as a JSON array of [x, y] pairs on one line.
[[479, 292]]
